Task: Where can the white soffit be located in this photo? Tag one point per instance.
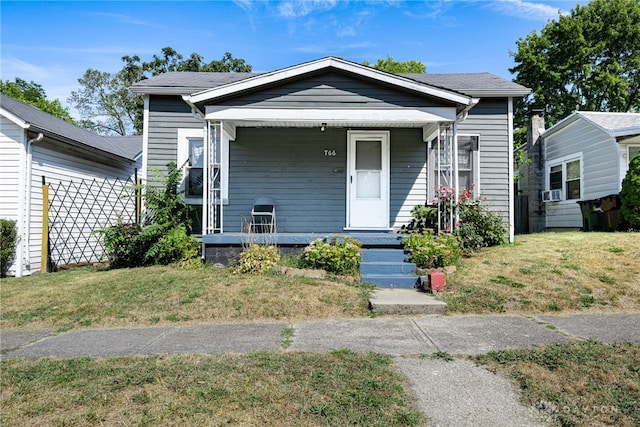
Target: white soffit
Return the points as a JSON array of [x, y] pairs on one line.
[[331, 116]]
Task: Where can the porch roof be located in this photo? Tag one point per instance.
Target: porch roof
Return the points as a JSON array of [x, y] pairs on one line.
[[309, 117]]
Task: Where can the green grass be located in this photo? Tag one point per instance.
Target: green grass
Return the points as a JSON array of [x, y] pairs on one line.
[[581, 384], [274, 389], [545, 272], [89, 297]]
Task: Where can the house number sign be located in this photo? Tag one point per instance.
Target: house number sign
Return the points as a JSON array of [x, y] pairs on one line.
[[330, 153]]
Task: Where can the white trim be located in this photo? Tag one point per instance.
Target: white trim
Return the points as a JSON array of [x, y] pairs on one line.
[[14, 119], [321, 64], [182, 155], [330, 116], [511, 170], [145, 140]]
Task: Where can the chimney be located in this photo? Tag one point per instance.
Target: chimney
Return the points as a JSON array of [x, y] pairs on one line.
[[536, 171]]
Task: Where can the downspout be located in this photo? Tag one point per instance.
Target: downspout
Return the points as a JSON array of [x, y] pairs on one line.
[[25, 210]]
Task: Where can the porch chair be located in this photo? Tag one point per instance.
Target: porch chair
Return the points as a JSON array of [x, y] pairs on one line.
[[263, 215]]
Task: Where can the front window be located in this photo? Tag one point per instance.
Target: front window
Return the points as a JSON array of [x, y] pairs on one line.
[[441, 164], [193, 170]]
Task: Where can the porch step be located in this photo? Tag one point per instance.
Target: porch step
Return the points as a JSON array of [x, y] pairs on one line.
[[400, 281], [387, 268], [385, 255], [382, 267]]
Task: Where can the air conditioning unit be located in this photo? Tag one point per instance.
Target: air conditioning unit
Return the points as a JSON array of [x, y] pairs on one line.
[[552, 196]]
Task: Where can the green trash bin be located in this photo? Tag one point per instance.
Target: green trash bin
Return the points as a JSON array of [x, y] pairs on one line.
[[593, 218]]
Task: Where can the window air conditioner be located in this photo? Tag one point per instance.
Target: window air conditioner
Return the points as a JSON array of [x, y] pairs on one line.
[[551, 196]]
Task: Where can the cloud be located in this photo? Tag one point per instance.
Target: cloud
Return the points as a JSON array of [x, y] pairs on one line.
[[296, 9], [26, 71], [534, 11]]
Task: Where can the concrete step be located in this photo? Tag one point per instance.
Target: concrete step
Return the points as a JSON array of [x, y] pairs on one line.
[[405, 301], [388, 255], [383, 267], [404, 281]]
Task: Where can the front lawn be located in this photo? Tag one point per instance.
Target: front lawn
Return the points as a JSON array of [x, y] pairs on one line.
[[88, 297], [550, 272]]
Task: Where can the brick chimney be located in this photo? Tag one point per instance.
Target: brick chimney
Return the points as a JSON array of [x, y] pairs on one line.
[[536, 171]]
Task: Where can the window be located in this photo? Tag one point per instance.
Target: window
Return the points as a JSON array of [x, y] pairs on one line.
[[565, 175], [441, 163], [633, 151], [193, 173]]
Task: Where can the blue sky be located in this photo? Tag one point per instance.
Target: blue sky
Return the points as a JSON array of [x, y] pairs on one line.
[[53, 43]]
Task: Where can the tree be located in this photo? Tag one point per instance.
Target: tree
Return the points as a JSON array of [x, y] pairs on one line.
[[398, 67], [33, 94], [108, 107], [587, 60], [105, 103]]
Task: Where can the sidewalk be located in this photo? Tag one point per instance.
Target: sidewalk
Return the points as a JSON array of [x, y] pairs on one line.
[[450, 393]]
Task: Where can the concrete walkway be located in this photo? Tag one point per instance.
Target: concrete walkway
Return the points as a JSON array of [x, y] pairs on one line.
[[450, 393]]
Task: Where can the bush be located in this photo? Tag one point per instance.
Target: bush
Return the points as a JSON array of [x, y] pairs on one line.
[[8, 241], [257, 259], [630, 194], [478, 227], [475, 225], [429, 252], [339, 255], [424, 218], [165, 236]]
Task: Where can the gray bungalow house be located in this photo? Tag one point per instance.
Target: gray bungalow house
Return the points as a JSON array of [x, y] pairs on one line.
[[339, 147]]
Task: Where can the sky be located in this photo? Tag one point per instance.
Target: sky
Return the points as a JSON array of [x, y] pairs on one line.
[[53, 43]]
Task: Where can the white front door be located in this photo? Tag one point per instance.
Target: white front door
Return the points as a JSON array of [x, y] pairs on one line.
[[368, 180]]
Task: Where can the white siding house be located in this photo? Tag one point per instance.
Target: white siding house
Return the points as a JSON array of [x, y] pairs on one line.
[[586, 158], [33, 145]]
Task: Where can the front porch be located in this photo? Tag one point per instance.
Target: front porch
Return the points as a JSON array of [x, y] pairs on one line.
[[384, 262]]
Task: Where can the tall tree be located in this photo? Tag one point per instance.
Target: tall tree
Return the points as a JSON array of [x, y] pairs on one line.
[[586, 60], [108, 107], [34, 94], [398, 67]]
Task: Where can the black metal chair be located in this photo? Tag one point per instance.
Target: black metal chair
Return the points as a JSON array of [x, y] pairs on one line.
[[263, 215]]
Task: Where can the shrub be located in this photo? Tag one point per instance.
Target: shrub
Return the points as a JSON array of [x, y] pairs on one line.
[[257, 259], [424, 218], [429, 252], [338, 254], [630, 194], [474, 225], [478, 227], [173, 245], [8, 241], [165, 236], [124, 244]]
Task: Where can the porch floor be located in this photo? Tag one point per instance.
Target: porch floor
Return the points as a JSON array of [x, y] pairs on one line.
[[369, 239]]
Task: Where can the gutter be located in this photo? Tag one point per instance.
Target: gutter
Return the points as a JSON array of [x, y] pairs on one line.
[[25, 207]]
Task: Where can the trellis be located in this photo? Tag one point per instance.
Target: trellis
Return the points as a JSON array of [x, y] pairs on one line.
[[77, 208]]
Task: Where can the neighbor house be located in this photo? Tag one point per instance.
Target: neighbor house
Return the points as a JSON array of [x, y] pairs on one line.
[[36, 147], [339, 147], [585, 158]]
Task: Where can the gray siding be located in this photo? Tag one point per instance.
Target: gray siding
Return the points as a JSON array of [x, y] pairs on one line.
[[310, 188], [289, 165], [489, 119], [167, 114], [600, 168], [331, 90], [408, 186]]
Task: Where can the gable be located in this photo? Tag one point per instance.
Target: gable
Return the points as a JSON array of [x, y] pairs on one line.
[[330, 89]]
